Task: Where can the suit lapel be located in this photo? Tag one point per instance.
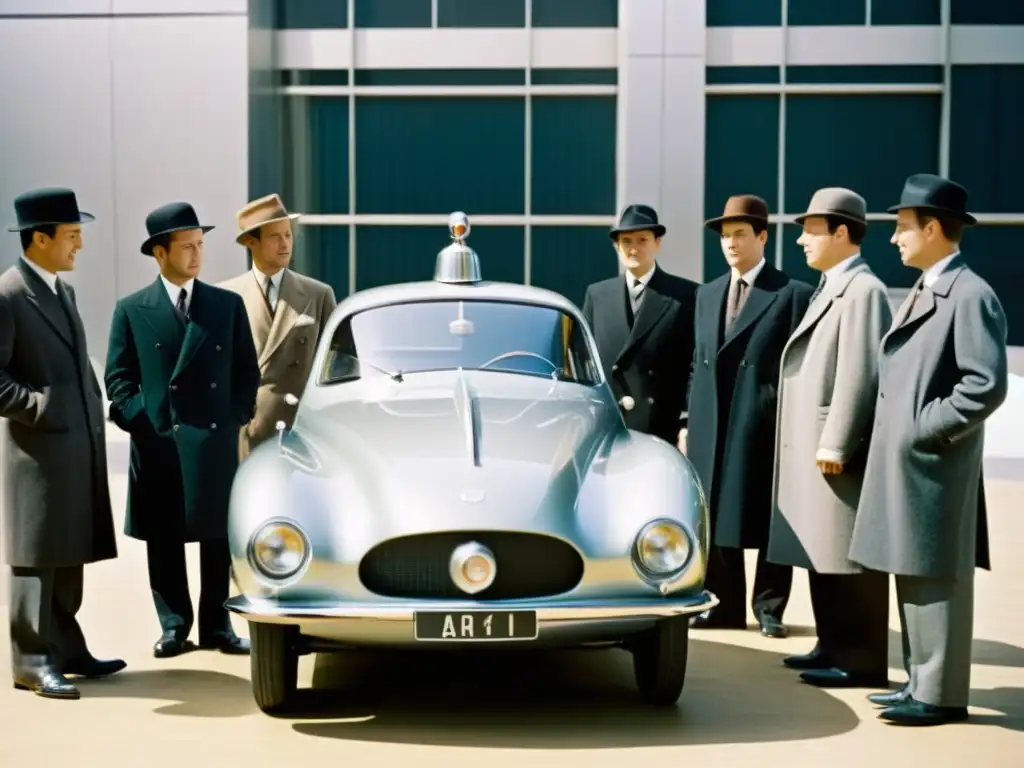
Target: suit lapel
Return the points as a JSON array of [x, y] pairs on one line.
[[201, 312], [653, 305], [924, 306], [47, 303], [161, 315], [258, 311], [824, 300], [714, 310], [757, 304], [291, 302]]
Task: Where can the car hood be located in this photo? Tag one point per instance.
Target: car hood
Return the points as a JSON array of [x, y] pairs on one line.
[[461, 450]]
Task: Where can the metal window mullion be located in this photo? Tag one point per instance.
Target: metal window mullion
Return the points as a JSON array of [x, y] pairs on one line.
[[867, 13], [528, 148], [781, 179], [947, 84], [351, 13], [433, 14]]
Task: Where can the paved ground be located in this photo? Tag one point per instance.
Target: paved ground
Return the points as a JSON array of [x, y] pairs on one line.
[[740, 705]]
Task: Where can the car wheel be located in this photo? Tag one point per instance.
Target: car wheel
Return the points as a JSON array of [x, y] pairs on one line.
[[275, 664], [659, 661]]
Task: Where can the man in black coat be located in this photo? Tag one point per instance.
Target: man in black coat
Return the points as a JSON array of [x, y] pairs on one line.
[[743, 320], [643, 325], [57, 515], [181, 377]]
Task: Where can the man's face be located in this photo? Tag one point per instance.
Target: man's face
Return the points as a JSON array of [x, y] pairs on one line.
[[272, 252], [637, 250], [185, 257], [911, 238], [742, 248], [819, 245], [57, 253]]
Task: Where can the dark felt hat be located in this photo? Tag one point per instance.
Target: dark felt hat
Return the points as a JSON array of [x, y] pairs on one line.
[[929, 192], [748, 208], [173, 217], [637, 218], [836, 201], [50, 205]]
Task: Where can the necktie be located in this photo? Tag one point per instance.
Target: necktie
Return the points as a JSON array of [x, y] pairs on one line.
[[181, 303], [638, 293], [268, 289], [737, 298], [911, 299], [818, 290]]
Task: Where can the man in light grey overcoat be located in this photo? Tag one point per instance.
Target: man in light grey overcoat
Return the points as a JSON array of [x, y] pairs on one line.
[[57, 514], [827, 389], [942, 373]]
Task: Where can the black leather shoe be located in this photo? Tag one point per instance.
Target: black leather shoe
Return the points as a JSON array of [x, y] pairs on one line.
[[889, 698], [87, 666], [226, 643], [913, 712], [171, 643], [712, 620], [772, 627], [47, 682], [813, 660], [833, 677]]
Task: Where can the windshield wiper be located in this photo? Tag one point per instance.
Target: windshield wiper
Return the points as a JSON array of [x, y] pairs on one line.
[[397, 377]]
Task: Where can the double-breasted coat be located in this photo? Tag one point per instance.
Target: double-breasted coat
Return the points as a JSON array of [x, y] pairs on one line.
[[181, 389], [56, 500], [285, 343], [646, 357], [827, 389], [732, 404], [942, 373]]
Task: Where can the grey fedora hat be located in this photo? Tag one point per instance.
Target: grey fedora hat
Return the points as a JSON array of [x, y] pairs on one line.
[[836, 201]]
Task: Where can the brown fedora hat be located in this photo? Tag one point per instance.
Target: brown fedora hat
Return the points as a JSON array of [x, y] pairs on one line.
[[748, 208], [265, 210], [836, 201]]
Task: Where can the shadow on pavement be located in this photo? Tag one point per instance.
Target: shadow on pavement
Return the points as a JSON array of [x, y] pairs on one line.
[[561, 700], [190, 692]]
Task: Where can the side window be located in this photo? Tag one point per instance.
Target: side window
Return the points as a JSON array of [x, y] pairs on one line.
[[580, 357]]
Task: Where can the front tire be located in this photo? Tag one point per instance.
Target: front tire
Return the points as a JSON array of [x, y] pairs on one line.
[[659, 661], [274, 661]]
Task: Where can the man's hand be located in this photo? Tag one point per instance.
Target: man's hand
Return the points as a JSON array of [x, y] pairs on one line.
[[830, 467], [681, 441]]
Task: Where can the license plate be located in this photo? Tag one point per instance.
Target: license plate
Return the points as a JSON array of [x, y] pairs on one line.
[[475, 626]]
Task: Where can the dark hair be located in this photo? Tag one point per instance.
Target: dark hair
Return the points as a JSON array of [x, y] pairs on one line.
[[162, 241], [951, 226], [26, 235], [855, 229]]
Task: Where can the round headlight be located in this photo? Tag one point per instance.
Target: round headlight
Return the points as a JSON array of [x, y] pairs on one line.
[[279, 550], [663, 547]]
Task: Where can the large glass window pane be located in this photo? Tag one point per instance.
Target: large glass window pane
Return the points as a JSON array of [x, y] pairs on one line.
[[573, 155], [437, 155], [993, 252], [391, 13], [312, 14], [741, 157], [813, 13], [575, 13], [906, 12], [743, 13], [316, 153], [481, 13], [986, 153], [568, 259], [987, 12], [322, 253], [401, 254], [869, 143]]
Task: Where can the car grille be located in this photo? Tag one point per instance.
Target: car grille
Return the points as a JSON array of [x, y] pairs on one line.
[[530, 565]]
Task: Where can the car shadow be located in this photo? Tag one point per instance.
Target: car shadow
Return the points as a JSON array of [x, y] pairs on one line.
[[189, 692], [560, 700]]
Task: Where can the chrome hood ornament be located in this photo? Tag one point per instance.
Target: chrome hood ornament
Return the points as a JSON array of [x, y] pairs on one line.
[[458, 263]]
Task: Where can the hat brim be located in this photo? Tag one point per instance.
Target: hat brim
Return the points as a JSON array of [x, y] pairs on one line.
[[658, 230], [822, 214], [244, 232], [716, 223], [147, 246], [83, 218], [962, 215]]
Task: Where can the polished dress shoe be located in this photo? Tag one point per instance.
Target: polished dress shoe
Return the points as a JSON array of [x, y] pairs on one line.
[[712, 620], [170, 644], [772, 627], [910, 711], [834, 677], [227, 642], [87, 666], [889, 698], [816, 659], [45, 681]]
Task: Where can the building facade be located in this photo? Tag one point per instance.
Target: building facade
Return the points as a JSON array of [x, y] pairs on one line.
[[541, 118]]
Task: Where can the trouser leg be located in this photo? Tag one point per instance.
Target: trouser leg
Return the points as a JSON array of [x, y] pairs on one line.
[[851, 613], [215, 573], [772, 586], [31, 620], [168, 580], [68, 639]]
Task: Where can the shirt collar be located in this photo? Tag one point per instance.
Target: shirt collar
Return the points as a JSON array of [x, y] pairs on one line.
[[262, 278], [751, 274], [837, 269], [48, 277], [932, 273], [644, 279], [173, 291]]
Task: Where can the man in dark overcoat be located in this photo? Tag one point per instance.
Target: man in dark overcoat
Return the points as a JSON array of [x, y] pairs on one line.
[[827, 391], [57, 515], [942, 374], [743, 320], [181, 378], [642, 322]]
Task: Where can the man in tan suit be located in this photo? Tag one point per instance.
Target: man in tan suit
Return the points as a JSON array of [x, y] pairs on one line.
[[827, 389], [287, 312]]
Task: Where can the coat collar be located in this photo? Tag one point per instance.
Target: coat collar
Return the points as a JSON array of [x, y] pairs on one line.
[[46, 302], [164, 319], [833, 289], [762, 295], [292, 301], [653, 305], [924, 305]]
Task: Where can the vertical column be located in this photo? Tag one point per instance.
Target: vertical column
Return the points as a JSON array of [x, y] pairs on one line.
[[661, 121]]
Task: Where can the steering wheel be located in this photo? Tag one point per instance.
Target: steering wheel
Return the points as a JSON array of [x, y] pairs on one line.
[[519, 353]]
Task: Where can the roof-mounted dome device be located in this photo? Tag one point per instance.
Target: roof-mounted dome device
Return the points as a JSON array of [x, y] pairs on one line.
[[458, 263]]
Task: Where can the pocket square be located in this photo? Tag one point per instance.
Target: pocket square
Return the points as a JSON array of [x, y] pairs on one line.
[[302, 320]]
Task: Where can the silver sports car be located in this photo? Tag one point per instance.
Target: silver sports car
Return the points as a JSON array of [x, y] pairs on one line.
[[459, 472]]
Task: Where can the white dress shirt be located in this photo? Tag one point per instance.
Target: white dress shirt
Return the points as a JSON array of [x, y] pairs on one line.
[[636, 286], [173, 291], [837, 269], [932, 273], [750, 275], [48, 277], [275, 286]]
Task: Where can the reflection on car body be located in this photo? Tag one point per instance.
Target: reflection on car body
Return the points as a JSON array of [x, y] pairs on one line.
[[459, 472]]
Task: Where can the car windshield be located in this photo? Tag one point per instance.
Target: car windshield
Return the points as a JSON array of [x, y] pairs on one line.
[[399, 339]]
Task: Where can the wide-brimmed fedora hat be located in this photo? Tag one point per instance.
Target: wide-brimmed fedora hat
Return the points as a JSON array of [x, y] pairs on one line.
[[265, 210], [173, 217], [836, 201], [934, 193], [47, 206], [637, 218], [749, 208]]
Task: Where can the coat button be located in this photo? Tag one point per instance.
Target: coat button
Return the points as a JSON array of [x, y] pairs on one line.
[[615, 367], [213, 385], [650, 373], [705, 363], [302, 340], [743, 363], [157, 345], [213, 426], [650, 401], [218, 347], [174, 387], [177, 427]]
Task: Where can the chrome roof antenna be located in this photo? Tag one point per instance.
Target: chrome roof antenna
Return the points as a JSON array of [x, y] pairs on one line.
[[458, 263]]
